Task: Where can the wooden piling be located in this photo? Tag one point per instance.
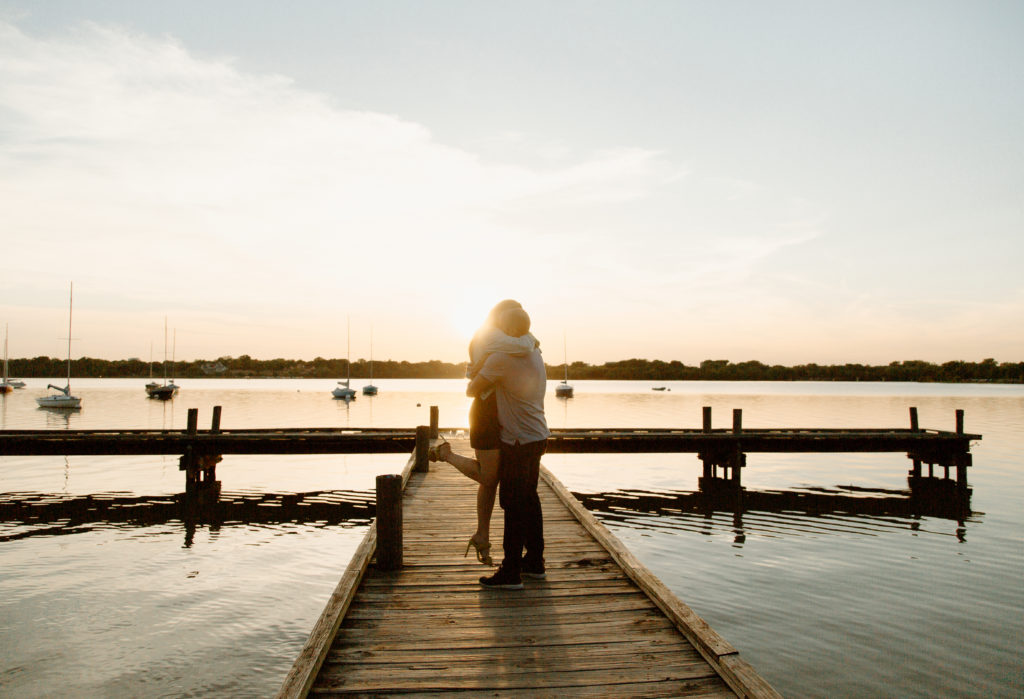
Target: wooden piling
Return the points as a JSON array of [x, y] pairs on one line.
[[422, 445], [433, 421], [389, 522], [709, 468], [915, 471]]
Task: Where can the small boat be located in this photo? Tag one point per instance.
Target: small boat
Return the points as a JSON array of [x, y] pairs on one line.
[[174, 351], [342, 390], [658, 388], [369, 389], [63, 399], [164, 391], [564, 390], [152, 384]]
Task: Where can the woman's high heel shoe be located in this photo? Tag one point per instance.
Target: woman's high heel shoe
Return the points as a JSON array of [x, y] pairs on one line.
[[440, 451], [483, 551]]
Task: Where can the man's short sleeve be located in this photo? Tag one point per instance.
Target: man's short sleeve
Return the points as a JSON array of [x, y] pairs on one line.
[[494, 368]]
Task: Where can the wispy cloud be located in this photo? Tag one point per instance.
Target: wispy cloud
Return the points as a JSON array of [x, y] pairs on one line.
[[123, 151]]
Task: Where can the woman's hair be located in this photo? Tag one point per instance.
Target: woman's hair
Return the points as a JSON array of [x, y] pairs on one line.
[[499, 308], [491, 321], [514, 322]]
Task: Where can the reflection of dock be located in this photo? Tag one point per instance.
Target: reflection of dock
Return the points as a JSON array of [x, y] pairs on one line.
[[600, 624], [54, 515]]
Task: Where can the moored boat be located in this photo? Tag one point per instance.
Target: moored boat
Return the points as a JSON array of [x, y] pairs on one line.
[[564, 389], [342, 390], [63, 398]]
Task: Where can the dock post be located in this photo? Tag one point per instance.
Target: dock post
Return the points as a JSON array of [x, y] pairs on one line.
[[433, 422], [389, 522], [188, 461], [422, 445], [739, 457], [916, 470], [708, 466], [208, 462], [959, 421]]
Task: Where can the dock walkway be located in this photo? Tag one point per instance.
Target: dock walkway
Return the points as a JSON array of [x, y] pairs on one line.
[[600, 625]]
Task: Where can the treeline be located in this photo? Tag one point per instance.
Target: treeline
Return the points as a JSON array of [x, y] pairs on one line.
[[987, 370]]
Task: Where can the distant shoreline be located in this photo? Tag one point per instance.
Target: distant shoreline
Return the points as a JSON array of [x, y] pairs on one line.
[[985, 371]]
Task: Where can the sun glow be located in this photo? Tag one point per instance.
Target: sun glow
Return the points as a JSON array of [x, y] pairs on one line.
[[469, 310]]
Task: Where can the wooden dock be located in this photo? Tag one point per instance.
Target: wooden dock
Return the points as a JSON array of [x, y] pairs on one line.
[[599, 625]]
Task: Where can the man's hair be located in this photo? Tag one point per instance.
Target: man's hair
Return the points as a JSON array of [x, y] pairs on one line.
[[514, 322]]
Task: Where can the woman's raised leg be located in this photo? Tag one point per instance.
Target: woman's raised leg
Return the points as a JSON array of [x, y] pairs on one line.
[[484, 470]]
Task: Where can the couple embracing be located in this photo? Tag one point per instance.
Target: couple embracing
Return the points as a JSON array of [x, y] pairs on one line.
[[508, 432]]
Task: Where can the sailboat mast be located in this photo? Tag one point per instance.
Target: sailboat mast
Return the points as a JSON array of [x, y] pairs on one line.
[[565, 358], [348, 352], [71, 304], [165, 350], [7, 329]]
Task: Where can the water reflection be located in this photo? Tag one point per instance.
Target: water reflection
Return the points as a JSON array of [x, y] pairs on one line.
[[42, 514], [849, 510]]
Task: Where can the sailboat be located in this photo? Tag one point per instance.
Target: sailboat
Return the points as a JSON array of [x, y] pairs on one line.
[[5, 385], [564, 390], [152, 384], [63, 399], [174, 351], [369, 389], [342, 390], [158, 391]]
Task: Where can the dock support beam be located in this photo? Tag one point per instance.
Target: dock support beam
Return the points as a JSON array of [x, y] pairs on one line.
[[201, 482], [422, 445], [953, 493], [730, 460], [389, 522]]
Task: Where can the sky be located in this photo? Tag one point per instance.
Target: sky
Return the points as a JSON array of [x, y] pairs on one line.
[[787, 182]]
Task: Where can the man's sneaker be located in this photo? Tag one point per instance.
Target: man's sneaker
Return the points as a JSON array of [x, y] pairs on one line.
[[502, 580], [533, 570]]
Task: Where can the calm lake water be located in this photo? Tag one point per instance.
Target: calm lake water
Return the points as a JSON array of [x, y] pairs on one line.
[[837, 604]]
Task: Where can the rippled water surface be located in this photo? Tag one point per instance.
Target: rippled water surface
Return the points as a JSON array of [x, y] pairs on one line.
[[830, 583]]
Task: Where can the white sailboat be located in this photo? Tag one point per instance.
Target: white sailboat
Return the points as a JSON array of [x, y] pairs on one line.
[[152, 383], [174, 351], [342, 390], [370, 389], [63, 399], [164, 391], [564, 390], [5, 385]]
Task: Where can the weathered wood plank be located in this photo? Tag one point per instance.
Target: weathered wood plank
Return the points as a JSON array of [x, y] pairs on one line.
[[710, 687], [586, 630], [704, 638], [304, 671]]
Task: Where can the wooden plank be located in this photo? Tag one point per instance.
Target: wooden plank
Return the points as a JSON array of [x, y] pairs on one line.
[[704, 638], [305, 668], [710, 687], [588, 629]]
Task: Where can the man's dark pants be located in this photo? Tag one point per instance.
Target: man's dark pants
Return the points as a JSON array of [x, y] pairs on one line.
[[519, 471]]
